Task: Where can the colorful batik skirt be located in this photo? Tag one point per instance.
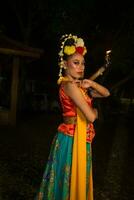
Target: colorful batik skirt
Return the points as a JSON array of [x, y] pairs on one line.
[[56, 179]]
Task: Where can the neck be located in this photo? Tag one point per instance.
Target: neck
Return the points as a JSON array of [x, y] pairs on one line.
[[74, 78]]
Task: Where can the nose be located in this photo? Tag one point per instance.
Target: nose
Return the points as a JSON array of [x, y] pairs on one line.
[[81, 66]]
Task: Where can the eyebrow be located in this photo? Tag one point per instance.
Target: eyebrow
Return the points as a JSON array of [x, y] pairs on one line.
[[79, 60]]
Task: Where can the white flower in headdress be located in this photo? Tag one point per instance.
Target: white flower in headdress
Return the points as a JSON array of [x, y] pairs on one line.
[[80, 42], [75, 37], [61, 53]]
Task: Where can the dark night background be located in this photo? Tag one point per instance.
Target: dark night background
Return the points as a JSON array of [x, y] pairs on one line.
[[103, 25]]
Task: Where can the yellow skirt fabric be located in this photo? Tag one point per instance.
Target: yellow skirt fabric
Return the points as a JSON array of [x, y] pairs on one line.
[[78, 187]]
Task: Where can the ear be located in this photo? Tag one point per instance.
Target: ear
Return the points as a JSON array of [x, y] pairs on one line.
[[65, 64]]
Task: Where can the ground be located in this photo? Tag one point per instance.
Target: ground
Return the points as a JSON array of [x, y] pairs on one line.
[[25, 148]]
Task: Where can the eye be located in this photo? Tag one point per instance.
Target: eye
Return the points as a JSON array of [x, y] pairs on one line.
[[83, 63], [76, 62]]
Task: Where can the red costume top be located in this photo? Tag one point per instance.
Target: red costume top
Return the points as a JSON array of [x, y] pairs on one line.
[[69, 110]]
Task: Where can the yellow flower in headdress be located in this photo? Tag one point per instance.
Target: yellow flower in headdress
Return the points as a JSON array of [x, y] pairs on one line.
[[69, 50]]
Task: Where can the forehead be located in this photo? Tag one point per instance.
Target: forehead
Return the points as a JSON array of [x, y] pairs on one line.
[[76, 56]]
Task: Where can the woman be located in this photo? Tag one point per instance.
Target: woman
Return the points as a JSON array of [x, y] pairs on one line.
[[68, 173]]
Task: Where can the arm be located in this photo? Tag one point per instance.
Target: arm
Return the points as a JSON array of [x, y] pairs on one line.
[[76, 95], [97, 90], [99, 72]]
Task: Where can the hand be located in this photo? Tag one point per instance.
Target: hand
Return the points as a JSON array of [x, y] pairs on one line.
[[86, 83], [96, 112], [77, 82]]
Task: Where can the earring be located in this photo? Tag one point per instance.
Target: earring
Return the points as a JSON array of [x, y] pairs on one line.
[[64, 67]]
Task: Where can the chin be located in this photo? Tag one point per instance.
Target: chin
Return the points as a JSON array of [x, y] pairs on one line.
[[78, 76], [81, 76]]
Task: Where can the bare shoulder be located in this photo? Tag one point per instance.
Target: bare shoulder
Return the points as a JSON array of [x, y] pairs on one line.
[[74, 92], [70, 88]]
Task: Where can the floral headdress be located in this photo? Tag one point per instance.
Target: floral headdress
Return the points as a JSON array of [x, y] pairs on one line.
[[70, 45]]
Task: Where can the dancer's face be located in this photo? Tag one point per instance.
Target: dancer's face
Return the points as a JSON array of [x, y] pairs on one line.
[[75, 66]]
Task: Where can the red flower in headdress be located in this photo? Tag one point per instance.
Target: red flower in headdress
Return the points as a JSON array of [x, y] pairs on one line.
[[80, 50]]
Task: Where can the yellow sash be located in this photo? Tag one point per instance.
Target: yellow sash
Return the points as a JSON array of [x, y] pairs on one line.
[[78, 176]]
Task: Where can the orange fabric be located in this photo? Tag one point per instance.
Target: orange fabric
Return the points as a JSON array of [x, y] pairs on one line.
[[69, 109]]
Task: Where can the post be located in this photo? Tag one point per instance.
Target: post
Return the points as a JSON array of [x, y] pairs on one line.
[[14, 90]]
